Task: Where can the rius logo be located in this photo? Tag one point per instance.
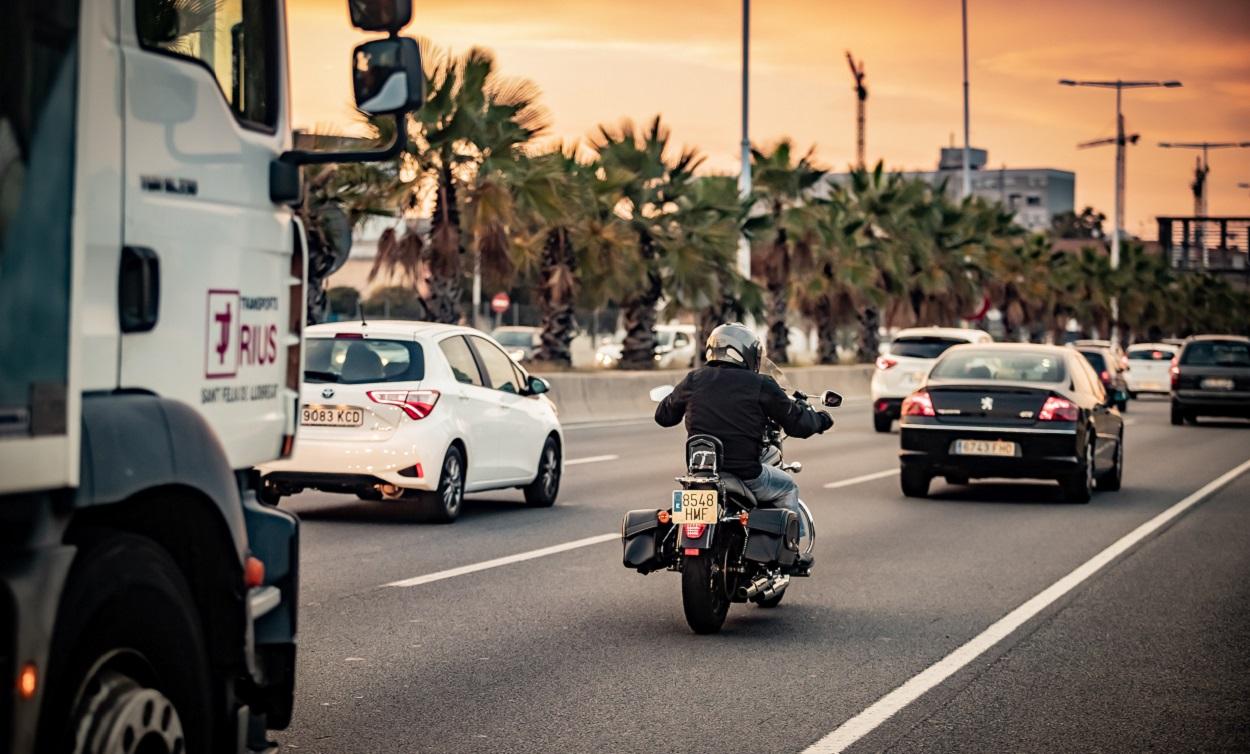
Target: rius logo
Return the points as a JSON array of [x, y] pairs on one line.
[[221, 354], [987, 403]]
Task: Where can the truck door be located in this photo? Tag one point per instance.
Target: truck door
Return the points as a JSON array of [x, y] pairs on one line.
[[203, 90]]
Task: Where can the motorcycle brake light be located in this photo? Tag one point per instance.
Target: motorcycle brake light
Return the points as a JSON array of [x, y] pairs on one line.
[[693, 531], [690, 551]]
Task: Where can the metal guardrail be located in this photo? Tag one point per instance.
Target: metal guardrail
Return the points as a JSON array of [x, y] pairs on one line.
[[1214, 244]]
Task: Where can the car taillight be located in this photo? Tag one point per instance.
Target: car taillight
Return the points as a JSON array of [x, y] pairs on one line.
[[1057, 409], [1175, 371], [1105, 376], [885, 362], [918, 404], [693, 531], [417, 404]]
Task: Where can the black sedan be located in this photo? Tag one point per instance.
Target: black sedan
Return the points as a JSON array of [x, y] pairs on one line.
[[1016, 411], [1211, 377], [1111, 370]]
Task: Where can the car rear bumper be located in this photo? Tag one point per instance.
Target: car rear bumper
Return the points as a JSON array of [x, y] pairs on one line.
[[327, 465], [1232, 403], [1043, 453]]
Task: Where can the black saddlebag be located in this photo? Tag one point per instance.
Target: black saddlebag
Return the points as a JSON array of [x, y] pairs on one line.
[[773, 536], [646, 542]]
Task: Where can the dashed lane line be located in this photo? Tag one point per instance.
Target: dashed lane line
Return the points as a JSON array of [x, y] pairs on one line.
[[589, 459]]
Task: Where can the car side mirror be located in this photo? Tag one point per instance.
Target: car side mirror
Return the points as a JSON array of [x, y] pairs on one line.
[[387, 76], [538, 386], [380, 15], [660, 393], [831, 399]]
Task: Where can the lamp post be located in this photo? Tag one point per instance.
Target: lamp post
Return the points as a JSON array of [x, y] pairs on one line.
[[744, 178], [967, 169], [1119, 87]]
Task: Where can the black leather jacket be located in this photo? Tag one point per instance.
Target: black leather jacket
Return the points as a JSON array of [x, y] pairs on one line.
[[732, 405]]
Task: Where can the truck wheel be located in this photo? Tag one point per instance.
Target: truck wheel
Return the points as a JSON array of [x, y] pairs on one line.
[[129, 669], [442, 506], [542, 492], [268, 494]]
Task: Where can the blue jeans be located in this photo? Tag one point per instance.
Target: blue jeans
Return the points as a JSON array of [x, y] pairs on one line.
[[776, 489]]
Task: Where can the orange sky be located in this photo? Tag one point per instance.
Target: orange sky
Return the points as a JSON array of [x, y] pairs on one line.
[[597, 61]]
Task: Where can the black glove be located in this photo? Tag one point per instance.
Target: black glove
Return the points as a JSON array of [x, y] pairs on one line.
[[826, 421]]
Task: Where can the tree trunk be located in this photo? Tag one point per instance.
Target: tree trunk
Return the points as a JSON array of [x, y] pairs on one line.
[[826, 332], [556, 299], [869, 338], [638, 350], [446, 250], [777, 275]]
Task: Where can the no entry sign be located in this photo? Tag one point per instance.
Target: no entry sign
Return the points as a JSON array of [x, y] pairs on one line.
[[500, 303]]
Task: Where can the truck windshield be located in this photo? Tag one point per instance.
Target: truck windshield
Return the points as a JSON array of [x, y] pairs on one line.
[[356, 361]]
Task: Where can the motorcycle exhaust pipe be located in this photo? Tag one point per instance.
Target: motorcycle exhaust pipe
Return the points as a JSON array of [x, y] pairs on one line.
[[755, 587], [776, 587]]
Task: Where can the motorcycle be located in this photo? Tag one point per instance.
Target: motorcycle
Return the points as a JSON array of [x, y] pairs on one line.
[[726, 548]]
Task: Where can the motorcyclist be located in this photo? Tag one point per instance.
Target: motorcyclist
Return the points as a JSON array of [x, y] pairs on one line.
[[730, 400]]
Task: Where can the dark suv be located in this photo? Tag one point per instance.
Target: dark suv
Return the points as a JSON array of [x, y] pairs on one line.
[[1110, 370], [1211, 377]]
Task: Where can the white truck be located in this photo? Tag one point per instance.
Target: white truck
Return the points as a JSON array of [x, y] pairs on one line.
[[152, 298]]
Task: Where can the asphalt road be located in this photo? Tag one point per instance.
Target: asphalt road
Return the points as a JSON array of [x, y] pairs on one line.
[[570, 652]]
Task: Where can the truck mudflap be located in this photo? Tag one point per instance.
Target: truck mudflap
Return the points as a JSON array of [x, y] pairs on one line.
[[273, 537]]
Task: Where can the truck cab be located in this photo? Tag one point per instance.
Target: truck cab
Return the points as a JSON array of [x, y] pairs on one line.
[[152, 301]]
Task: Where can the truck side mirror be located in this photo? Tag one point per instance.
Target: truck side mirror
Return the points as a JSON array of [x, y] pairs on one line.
[[387, 76], [380, 15]]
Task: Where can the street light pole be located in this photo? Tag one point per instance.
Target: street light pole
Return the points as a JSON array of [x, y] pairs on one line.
[[744, 178], [967, 169], [1120, 140]]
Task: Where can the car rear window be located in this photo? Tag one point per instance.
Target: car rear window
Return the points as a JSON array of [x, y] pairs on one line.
[[354, 361], [1151, 354], [922, 347], [1095, 360], [1008, 366], [1216, 353]]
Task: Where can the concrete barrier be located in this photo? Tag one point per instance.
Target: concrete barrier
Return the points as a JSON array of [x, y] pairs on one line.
[[585, 397]]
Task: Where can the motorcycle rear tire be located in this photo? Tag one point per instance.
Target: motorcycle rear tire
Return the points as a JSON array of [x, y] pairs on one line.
[[703, 596]]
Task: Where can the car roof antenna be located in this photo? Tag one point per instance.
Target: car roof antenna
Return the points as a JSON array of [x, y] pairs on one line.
[[361, 311]]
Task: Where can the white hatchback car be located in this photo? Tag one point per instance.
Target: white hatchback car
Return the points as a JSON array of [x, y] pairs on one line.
[[1149, 368], [902, 368], [419, 411]]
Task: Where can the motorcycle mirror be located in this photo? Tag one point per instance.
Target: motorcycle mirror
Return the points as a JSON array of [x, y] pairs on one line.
[[831, 399], [660, 393]]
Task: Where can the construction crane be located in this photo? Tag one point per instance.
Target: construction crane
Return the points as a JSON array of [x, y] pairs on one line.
[[861, 96], [1202, 167]]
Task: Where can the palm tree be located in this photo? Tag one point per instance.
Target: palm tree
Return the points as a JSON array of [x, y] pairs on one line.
[[792, 221], [649, 182], [843, 278], [876, 198]]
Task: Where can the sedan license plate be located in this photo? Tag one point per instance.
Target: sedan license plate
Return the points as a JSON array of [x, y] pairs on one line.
[[695, 507], [984, 448], [332, 416], [1217, 383]]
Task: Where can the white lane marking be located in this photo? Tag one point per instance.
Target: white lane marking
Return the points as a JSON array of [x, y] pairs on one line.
[[881, 710], [864, 478], [589, 459], [451, 573]]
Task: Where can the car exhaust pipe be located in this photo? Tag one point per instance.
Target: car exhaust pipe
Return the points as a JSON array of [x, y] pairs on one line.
[[390, 491]]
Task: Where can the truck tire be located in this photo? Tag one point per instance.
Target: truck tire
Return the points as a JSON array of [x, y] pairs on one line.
[[128, 659]]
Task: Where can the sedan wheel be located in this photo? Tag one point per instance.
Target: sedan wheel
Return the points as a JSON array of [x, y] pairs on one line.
[[1079, 487], [542, 492], [443, 504], [1110, 481]]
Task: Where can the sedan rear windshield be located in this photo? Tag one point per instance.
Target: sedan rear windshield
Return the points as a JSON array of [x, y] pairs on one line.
[[1095, 360], [1151, 354], [356, 361], [920, 347], [1008, 366], [1217, 353]]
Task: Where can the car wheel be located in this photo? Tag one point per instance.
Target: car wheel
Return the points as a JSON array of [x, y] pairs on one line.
[[542, 492], [1178, 416], [442, 506], [1110, 481], [1079, 487], [915, 481], [882, 422], [1191, 419]]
